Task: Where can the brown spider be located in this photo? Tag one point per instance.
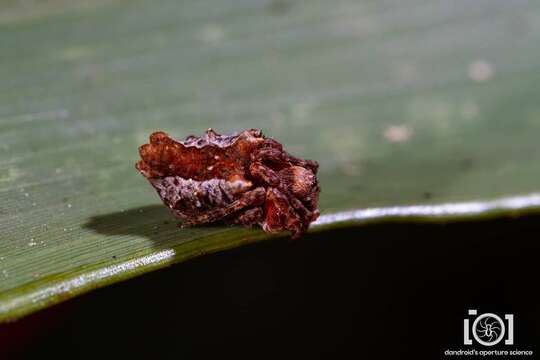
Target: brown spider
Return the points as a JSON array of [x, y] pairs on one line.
[[244, 178]]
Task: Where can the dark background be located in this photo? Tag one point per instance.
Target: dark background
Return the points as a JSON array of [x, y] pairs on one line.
[[375, 291]]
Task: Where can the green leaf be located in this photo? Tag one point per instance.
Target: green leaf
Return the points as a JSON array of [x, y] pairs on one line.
[[414, 110]]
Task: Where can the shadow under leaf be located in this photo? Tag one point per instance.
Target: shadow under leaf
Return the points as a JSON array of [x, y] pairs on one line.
[[154, 222]]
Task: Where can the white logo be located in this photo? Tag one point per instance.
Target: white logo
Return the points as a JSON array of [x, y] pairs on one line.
[[488, 329], [485, 330]]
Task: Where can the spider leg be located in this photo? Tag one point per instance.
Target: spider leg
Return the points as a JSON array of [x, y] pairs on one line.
[[277, 154], [313, 196], [264, 173], [249, 217], [248, 199], [281, 215], [269, 154], [308, 164], [303, 209], [300, 208], [271, 143]]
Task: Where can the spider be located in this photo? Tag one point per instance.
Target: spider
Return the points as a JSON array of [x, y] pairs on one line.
[[244, 178], [488, 330]]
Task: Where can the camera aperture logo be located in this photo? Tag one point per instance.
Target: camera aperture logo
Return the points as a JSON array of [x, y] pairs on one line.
[[488, 329], [481, 331]]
